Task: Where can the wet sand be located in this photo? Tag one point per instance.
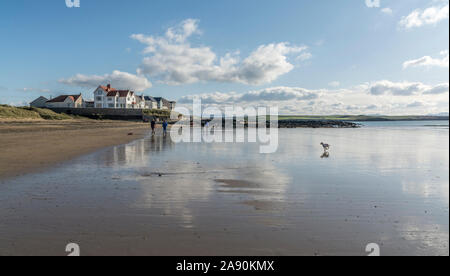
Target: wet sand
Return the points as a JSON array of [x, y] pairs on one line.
[[152, 197], [29, 146]]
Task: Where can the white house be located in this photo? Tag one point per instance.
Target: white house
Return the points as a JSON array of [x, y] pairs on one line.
[[140, 102], [39, 102], [164, 104], [64, 101], [108, 97], [150, 103]]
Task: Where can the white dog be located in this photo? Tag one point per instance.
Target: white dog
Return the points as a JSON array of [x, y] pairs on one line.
[[325, 146]]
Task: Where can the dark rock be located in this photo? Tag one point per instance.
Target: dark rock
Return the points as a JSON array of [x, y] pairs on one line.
[[315, 124]]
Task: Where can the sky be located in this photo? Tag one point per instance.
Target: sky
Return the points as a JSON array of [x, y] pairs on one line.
[[306, 57]]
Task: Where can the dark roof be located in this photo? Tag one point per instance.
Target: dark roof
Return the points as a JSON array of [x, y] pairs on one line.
[[40, 98], [107, 88], [76, 97], [120, 93], [149, 98], [124, 93], [112, 92], [165, 102], [161, 99], [62, 98]]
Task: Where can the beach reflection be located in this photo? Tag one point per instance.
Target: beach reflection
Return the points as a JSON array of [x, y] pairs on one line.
[[189, 174], [136, 154], [175, 178], [185, 181]]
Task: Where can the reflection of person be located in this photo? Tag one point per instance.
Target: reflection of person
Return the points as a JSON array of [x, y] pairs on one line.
[[153, 124], [165, 125]]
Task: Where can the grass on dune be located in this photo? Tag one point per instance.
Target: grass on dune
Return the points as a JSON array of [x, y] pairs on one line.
[[47, 114], [12, 112]]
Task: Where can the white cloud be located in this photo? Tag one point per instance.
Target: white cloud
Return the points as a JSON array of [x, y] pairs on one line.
[[438, 89], [373, 3], [387, 11], [428, 61], [369, 98], [39, 90], [397, 88], [377, 4], [415, 105], [334, 84], [183, 31], [406, 88], [173, 60], [320, 42], [304, 56], [118, 79], [273, 94], [428, 16]]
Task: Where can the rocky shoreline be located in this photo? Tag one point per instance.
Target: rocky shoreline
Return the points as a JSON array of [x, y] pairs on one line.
[[297, 124], [316, 124]]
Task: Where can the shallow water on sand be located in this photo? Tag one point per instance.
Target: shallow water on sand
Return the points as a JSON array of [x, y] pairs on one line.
[[379, 184]]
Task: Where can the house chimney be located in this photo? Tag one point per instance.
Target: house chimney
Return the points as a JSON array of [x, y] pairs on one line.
[[109, 86]]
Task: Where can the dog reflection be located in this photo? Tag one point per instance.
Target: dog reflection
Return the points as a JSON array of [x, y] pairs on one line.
[[325, 154]]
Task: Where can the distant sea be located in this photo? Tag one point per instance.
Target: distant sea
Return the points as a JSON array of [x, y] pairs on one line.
[[434, 123]]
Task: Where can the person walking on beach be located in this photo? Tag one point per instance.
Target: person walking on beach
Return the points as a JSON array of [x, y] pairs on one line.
[[153, 125], [165, 125]]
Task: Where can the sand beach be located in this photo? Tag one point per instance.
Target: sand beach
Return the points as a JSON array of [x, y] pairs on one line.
[[30, 145]]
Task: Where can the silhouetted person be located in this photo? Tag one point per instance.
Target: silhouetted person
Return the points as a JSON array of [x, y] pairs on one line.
[[165, 125], [153, 125]]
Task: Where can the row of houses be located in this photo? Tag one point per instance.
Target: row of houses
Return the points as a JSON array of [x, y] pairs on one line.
[[106, 97]]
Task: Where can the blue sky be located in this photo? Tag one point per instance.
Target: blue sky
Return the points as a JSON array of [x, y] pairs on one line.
[[315, 57]]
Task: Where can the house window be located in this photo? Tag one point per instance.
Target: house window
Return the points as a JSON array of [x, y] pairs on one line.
[[111, 105], [110, 99], [99, 99]]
